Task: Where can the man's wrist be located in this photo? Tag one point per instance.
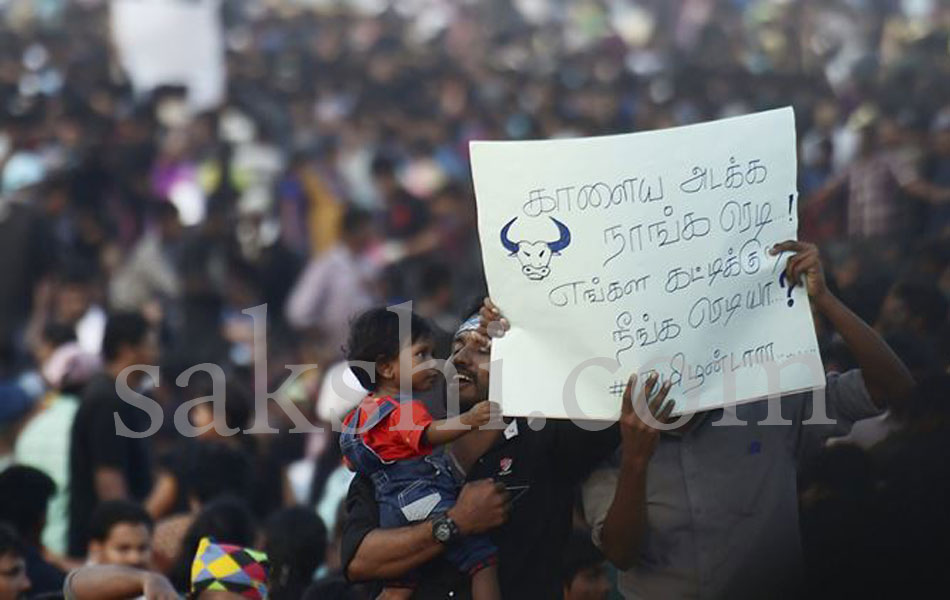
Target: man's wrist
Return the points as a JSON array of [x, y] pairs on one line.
[[633, 459], [824, 300], [462, 526]]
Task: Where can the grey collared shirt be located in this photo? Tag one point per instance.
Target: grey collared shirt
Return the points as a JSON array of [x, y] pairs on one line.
[[722, 505]]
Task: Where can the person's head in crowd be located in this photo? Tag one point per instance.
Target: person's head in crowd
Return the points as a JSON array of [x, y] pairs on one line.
[[296, 544], [25, 493], [120, 533], [584, 569], [383, 170], [217, 469], [128, 340], [435, 290], [915, 306], [167, 221], [375, 342], [222, 571], [358, 230], [237, 410], [14, 583], [930, 409], [64, 364], [53, 336], [918, 353], [227, 519], [75, 292]]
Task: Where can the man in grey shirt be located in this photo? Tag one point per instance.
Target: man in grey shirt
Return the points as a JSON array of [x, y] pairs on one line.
[[710, 509]]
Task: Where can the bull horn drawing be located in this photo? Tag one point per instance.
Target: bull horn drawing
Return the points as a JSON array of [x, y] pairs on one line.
[[564, 238], [510, 246]]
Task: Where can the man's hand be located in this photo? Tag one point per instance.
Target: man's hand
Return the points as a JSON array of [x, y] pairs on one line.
[[638, 435], [491, 323], [479, 415], [805, 263], [156, 587], [481, 506]]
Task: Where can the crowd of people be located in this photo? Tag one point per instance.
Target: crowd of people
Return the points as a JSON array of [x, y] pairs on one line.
[[224, 245]]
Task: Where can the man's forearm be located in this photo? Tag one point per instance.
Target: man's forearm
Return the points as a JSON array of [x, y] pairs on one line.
[[391, 553], [105, 582], [885, 375], [625, 524]]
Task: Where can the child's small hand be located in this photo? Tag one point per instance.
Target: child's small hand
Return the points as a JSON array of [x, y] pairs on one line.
[[479, 415]]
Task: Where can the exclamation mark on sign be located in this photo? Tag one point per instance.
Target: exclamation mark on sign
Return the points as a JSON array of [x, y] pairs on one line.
[[791, 203]]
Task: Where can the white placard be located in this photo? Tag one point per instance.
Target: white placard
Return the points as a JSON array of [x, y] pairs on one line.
[[646, 251], [172, 42]]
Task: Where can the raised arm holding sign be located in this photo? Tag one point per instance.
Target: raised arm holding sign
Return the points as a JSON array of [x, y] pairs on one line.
[[645, 252]]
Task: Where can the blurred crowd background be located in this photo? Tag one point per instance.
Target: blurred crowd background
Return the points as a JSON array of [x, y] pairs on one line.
[[334, 176]]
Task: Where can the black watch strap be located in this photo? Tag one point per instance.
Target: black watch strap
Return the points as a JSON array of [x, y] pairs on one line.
[[444, 529]]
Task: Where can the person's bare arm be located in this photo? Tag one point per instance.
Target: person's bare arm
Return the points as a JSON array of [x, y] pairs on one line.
[[391, 553], [108, 582], [887, 378], [626, 521], [162, 499], [110, 484], [451, 429]]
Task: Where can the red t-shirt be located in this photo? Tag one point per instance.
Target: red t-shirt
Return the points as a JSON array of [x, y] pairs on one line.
[[387, 439]]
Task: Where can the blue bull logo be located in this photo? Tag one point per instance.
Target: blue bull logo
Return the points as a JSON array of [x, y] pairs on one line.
[[535, 256]]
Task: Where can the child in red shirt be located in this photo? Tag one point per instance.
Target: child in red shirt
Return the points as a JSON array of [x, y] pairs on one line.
[[392, 438]]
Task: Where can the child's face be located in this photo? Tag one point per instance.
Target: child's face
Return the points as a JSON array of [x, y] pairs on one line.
[[411, 363], [127, 545]]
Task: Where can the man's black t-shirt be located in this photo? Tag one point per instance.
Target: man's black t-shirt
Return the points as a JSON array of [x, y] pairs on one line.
[[541, 470], [96, 444]]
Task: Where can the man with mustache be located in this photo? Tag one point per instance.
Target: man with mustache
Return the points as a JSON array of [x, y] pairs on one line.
[[521, 491]]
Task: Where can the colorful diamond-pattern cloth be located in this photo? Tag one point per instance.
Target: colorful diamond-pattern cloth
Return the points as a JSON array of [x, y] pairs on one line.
[[225, 567]]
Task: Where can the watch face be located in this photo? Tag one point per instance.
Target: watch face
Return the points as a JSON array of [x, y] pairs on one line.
[[442, 531]]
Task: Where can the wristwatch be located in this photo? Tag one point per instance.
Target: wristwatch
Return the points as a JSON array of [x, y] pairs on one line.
[[444, 529]]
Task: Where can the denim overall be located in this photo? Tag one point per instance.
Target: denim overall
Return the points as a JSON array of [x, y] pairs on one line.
[[412, 489]]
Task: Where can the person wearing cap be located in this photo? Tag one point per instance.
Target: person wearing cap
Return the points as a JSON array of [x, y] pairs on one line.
[[521, 491]]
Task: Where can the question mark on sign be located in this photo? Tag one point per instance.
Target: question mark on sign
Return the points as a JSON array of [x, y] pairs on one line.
[[788, 293]]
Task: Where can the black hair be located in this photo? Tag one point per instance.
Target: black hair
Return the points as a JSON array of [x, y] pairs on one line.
[[434, 278], [123, 329], [75, 271], [354, 219], [579, 554], [930, 401], [160, 211], [9, 541], [57, 334], [296, 545], [228, 520], [24, 495], [924, 300], [217, 469], [382, 165], [374, 336], [114, 512]]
